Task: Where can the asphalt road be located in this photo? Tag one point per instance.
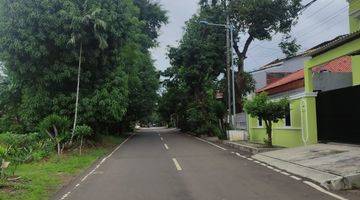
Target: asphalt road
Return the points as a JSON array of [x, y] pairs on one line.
[[162, 164]]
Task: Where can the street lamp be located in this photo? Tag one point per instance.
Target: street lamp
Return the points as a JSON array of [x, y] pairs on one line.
[[230, 28]]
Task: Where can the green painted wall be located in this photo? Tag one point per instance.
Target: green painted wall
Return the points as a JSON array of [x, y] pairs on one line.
[[355, 63], [282, 136], [303, 111], [354, 23]]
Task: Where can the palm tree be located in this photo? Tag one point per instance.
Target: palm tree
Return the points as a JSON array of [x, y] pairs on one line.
[[88, 20]]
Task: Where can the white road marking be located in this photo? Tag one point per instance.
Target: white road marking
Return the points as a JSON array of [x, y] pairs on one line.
[[270, 167], [177, 165], [92, 171], [232, 152], [240, 155], [162, 139], [222, 148], [285, 173], [295, 177], [320, 189], [277, 170], [249, 158], [255, 161], [166, 146], [263, 164]]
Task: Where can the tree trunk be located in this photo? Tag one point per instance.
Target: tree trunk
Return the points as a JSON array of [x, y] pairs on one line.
[[56, 137], [240, 63], [77, 94], [268, 125], [58, 148], [81, 143]]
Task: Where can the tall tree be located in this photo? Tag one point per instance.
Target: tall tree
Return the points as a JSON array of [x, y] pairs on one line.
[[192, 80], [88, 22], [260, 19], [42, 68]]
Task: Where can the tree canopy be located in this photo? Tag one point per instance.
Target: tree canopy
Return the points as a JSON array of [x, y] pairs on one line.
[[40, 64], [261, 19], [193, 79]]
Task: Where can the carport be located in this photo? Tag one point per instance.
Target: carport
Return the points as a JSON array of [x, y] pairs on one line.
[[338, 115], [331, 116]]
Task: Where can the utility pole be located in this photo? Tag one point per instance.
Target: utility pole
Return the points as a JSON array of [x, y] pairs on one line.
[[228, 61], [231, 28]]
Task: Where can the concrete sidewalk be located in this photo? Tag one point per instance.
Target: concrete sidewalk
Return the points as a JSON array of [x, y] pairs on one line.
[[334, 166]]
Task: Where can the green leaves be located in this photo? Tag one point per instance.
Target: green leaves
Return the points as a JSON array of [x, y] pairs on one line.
[[83, 131], [289, 46], [262, 107], [52, 122], [270, 111], [262, 18], [39, 47], [191, 81]]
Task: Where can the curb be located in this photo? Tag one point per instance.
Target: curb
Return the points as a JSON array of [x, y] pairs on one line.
[[247, 148], [328, 180]]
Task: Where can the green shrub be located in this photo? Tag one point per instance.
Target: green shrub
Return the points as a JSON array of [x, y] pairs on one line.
[[57, 128], [82, 132]]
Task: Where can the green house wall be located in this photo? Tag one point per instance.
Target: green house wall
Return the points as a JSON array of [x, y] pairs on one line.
[[284, 136], [354, 22], [303, 110]]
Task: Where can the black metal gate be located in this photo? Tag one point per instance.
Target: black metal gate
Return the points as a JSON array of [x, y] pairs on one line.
[[338, 115]]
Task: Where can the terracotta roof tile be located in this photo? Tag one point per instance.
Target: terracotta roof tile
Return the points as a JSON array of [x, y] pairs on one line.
[[287, 79], [340, 65]]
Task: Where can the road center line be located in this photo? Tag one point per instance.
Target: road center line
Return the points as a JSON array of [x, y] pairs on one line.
[[166, 146], [320, 189], [211, 143], [177, 165]]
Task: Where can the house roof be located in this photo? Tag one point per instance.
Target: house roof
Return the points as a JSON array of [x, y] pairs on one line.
[[298, 75], [340, 65], [331, 44], [277, 62]]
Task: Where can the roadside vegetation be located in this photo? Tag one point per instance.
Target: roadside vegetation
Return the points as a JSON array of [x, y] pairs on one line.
[[198, 72], [47, 172], [73, 74]]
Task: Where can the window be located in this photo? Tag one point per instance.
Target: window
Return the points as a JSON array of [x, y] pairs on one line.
[[288, 117], [260, 123]]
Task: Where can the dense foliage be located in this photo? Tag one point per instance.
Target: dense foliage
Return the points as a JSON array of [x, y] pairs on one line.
[[59, 55], [259, 20], [270, 111], [192, 81], [39, 47]]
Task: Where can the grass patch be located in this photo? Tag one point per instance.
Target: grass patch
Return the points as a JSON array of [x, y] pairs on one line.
[[40, 180]]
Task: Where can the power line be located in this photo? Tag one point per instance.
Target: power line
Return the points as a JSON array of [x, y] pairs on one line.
[[328, 18], [320, 9]]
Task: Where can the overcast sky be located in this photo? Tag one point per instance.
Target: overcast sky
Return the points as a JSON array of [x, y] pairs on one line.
[[324, 20]]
